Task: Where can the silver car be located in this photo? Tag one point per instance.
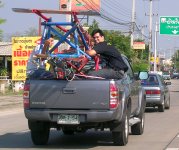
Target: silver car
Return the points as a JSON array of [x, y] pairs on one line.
[[157, 92]]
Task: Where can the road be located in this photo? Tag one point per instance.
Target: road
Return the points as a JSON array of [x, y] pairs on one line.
[[161, 132]]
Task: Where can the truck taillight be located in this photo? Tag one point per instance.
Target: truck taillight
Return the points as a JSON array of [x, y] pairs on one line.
[[114, 95], [153, 92], [26, 95]]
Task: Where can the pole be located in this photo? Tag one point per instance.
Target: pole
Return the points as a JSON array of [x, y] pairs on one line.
[[155, 52], [150, 32], [39, 33], [133, 21], [68, 16]]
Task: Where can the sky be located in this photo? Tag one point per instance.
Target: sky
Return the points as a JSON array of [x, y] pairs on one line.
[[119, 10]]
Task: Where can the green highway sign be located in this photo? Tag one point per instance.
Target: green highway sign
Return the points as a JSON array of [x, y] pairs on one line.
[[169, 25]]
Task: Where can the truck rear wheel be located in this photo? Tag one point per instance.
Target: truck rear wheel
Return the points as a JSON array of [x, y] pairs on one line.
[[40, 137], [138, 129], [39, 132], [121, 138]]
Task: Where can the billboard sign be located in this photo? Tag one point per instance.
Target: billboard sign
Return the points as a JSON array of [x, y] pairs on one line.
[[21, 50], [138, 45], [80, 5], [152, 59]]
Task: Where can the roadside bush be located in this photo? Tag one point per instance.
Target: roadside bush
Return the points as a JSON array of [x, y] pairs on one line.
[[140, 66]]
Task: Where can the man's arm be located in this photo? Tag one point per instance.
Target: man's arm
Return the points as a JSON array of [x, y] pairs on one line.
[[91, 52]]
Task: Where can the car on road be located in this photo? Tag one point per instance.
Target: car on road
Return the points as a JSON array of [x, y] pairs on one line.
[[166, 75], [157, 92], [175, 75]]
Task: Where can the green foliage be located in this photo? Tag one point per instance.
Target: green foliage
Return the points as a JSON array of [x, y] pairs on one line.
[[1, 22], [1, 32], [140, 66], [120, 41], [31, 32], [175, 60], [95, 25], [177, 66], [3, 72]]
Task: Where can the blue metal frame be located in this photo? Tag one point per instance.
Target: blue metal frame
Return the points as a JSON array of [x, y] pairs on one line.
[[49, 28]]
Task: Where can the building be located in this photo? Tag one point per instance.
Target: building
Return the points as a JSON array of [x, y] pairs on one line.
[[6, 56]]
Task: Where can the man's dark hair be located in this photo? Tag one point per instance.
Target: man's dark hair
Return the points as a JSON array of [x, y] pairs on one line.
[[97, 31]]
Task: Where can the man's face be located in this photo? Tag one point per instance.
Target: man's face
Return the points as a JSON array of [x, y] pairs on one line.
[[98, 38], [51, 41]]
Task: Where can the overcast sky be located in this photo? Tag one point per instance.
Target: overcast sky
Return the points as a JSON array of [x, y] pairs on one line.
[[19, 22]]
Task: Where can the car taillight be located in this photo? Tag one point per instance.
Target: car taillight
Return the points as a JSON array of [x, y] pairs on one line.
[[114, 95], [152, 92], [26, 95]]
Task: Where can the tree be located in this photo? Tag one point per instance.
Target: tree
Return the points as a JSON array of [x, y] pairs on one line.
[[31, 32], [95, 25], [175, 60], [1, 21]]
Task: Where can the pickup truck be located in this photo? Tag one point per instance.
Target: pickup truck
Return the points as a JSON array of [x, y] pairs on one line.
[[78, 105]]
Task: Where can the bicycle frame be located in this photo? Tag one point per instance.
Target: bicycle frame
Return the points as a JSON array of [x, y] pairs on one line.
[[75, 31]]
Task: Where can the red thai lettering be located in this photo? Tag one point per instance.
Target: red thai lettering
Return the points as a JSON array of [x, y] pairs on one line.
[[20, 63], [22, 53]]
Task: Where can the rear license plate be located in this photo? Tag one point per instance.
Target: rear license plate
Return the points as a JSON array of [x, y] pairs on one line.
[[68, 119]]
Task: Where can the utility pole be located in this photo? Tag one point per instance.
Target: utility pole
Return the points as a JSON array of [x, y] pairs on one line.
[[39, 29], [150, 31], [68, 16], [133, 21], [155, 51]]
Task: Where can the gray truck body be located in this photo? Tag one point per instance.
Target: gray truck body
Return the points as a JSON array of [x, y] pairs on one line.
[[90, 101]]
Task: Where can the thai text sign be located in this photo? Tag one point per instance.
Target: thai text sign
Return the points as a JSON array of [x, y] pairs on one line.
[[21, 50], [169, 25], [152, 59], [80, 5]]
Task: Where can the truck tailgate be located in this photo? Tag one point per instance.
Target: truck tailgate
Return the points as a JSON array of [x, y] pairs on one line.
[[76, 94]]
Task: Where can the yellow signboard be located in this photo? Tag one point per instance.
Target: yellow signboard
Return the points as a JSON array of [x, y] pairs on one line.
[[138, 45], [152, 60], [21, 50]]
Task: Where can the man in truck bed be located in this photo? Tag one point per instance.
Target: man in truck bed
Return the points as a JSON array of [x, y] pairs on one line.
[[115, 66]]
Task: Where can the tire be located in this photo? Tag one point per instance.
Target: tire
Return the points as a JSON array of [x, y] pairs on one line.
[[138, 129], [167, 106], [121, 138], [40, 137], [39, 132], [161, 107]]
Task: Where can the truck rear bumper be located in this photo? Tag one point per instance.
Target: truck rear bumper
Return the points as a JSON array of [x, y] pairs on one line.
[[84, 115]]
